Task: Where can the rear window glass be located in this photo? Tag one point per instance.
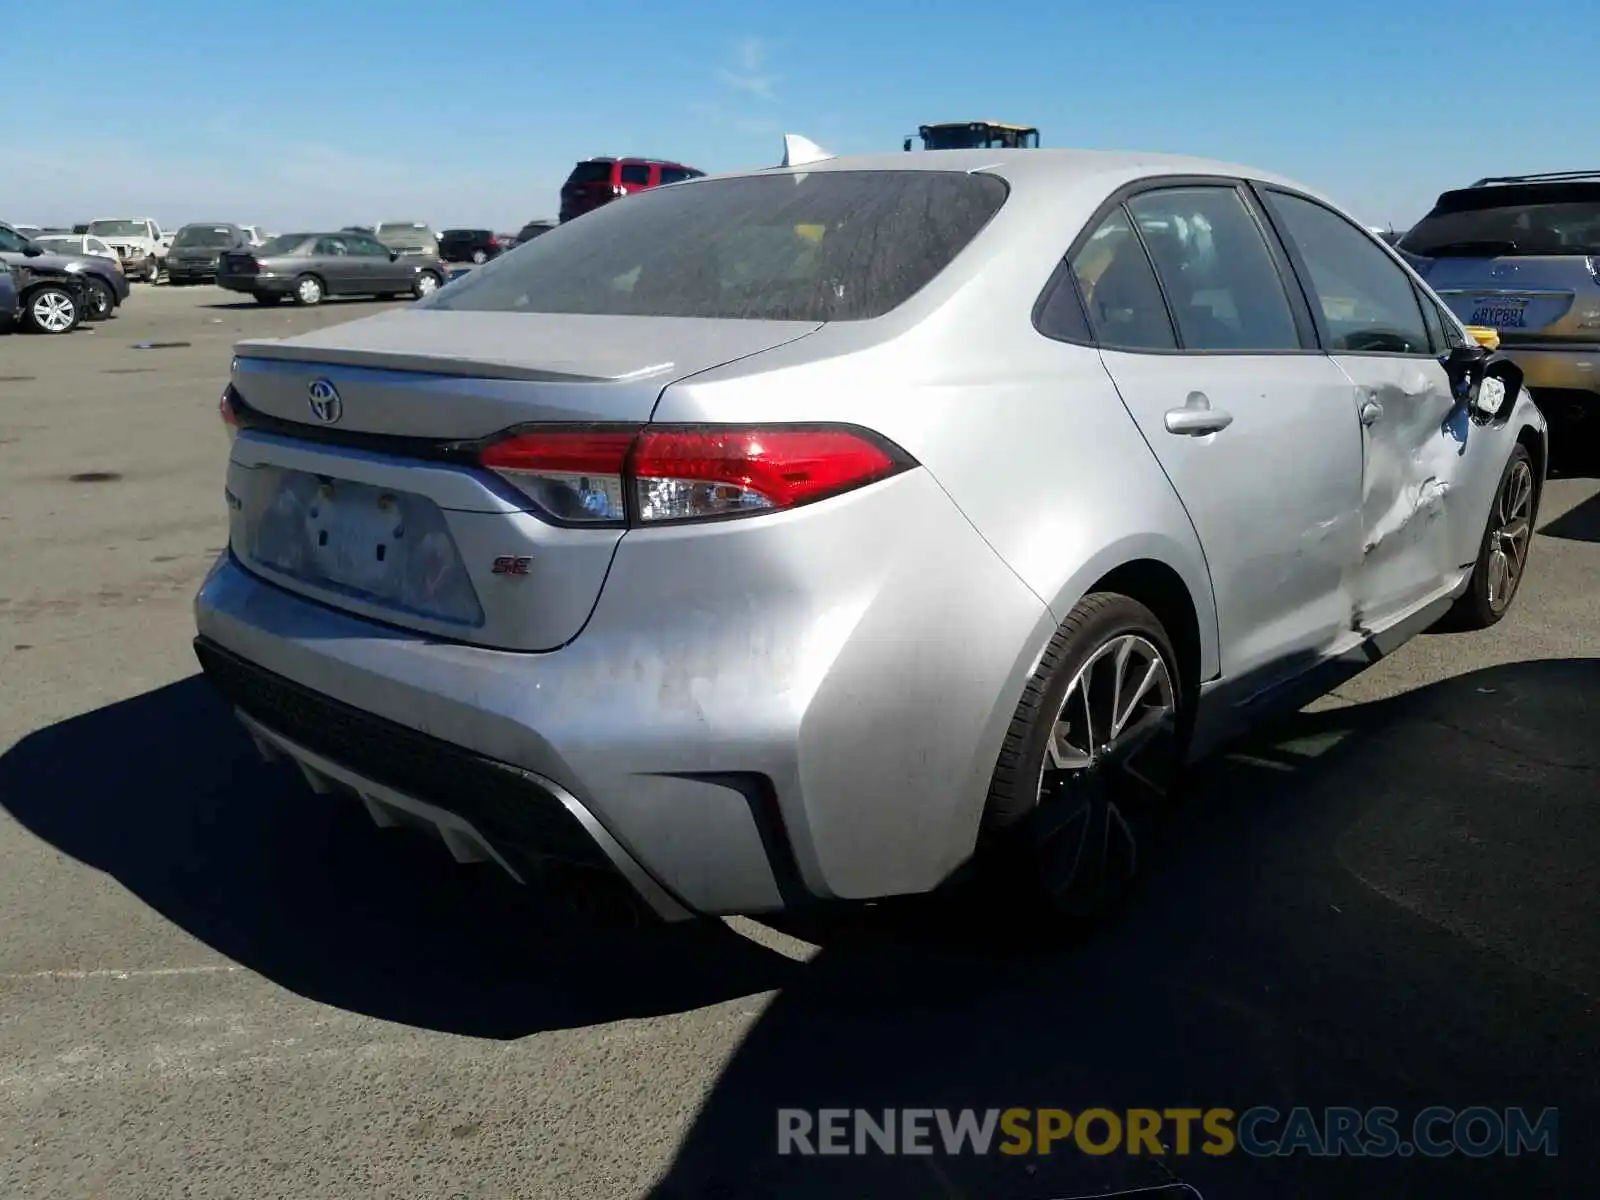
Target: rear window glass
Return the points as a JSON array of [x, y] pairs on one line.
[[819, 246], [284, 243], [1537, 219], [591, 172], [204, 235]]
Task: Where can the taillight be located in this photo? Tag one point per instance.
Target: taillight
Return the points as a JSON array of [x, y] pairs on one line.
[[659, 474], [225, 409]]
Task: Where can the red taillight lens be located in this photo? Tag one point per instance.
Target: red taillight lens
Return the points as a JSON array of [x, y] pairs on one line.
[[686, 474], [666, 473], [225, 409]]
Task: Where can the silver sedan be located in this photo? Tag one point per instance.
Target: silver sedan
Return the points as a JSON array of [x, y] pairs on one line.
[[814, 532]]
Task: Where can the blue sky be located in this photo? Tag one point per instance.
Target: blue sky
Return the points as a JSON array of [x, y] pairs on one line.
[[472, 112]]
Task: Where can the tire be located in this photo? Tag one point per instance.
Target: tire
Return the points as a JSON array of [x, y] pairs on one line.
[[51, 309], [267, 298], [308, 291], [1069, 827], [428, 282], [1507, 539], [102, 301], [478, 256]]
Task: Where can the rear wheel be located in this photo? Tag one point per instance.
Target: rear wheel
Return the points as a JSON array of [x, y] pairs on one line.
[[102, 302], [308, 290], [427, 284], [1089, 766], [1503, 553], [479, 256], [52, 309]]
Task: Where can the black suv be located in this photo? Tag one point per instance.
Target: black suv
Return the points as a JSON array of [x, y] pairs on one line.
[[470, 245], [533, 229]]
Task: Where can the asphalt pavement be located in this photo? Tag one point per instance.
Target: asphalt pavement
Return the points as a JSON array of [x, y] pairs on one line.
[[216, 984]]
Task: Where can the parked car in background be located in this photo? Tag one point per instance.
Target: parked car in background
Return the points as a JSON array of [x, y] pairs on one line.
[[598, 181], [137, 241], [1202, 447], [413, 238], [533, 229], [47, 300], [356, 229], [1521, 254], [75, 243], [470, 245], [198, 248], [31, 231], [10, 296], [254, 234], [103, 285], [309, 267]]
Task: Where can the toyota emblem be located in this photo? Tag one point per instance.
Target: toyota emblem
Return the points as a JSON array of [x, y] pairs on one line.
[[325, 403]]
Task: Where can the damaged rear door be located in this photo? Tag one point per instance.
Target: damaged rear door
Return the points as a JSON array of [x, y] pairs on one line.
[[1372, 322]]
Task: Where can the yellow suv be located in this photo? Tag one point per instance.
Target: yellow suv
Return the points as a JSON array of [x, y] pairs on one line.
[[1521, 254]]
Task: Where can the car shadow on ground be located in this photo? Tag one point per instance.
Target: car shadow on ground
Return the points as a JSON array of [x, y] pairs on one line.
[[165, 793], [287, 305], [1578, 524], [1392, 904]]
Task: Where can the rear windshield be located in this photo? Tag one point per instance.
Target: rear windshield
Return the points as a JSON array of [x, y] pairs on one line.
[[284, 243], [1510, 219], [823, 246], [591, 172], [204, 235]]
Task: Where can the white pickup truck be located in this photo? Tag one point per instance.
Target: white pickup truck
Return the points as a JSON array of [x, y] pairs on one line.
[[139, 243]]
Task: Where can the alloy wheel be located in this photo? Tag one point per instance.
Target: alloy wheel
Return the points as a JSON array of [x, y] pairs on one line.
[[309, 291], [427, 284], [1109, 765], [54, 312], [1509, 536]]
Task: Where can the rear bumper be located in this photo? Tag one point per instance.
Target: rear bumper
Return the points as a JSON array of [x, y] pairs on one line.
[[1558, 368], [819, 717]]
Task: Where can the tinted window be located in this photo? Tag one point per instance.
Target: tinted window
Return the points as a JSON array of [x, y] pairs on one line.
[[1222, 286], [1367, 301], [675, 174], [1120, 290], [591, 172], [286, 243], [635, 173], [823, 246], [1540, 219]]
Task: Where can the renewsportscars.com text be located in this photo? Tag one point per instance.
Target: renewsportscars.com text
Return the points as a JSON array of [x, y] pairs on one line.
[[1262, 1131]]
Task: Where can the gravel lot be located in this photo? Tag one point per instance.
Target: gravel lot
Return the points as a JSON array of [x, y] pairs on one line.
[[215, 984]]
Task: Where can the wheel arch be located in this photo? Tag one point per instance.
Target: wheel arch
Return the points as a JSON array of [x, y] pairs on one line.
[[1160, 588]]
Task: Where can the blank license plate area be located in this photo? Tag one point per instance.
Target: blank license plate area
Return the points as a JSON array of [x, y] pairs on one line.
[[386, 547]]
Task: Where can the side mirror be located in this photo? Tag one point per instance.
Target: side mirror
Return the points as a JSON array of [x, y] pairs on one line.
[[32, 250], [906, 145], [394, 256]]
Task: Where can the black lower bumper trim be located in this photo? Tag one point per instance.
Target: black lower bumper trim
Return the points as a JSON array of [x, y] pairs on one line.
[[506, 804]]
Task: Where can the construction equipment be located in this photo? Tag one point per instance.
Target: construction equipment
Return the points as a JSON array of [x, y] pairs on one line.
[[975, 135]]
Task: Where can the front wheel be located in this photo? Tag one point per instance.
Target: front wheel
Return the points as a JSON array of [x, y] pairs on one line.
[[1089, 766], [427, 284], [308, 290], [52, 310], [1503, 553]]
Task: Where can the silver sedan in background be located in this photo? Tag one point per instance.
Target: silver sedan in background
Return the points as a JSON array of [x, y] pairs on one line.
[[308, 267], [810, 533]]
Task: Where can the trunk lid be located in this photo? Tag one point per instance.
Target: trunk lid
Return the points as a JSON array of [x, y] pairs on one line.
[[344, 506], [1528, 297]]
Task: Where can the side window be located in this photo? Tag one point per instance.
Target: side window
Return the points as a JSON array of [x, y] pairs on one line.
[[1219, 277], [331, 248], [368, 247], [675, 175], [12, 242], [1119, 289], [637, 173], [1367, 302]]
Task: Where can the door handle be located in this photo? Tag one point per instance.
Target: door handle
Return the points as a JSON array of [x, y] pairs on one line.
[[1197, 418], [1370, 412]]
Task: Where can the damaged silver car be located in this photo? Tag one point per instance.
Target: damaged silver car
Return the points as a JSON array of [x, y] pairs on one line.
[[812, 532]]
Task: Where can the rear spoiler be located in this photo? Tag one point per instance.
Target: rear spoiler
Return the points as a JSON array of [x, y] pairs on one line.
[[798, 151]]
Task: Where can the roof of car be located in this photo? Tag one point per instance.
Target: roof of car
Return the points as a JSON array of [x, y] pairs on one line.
[[1112, 168]]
